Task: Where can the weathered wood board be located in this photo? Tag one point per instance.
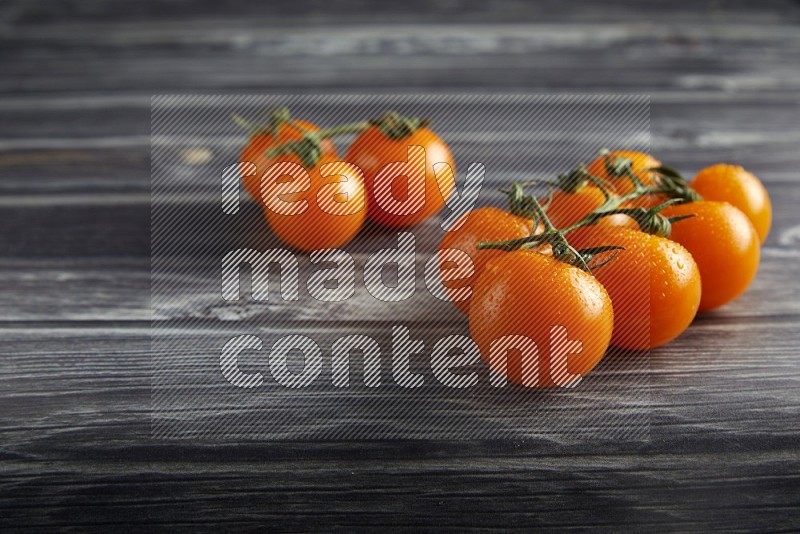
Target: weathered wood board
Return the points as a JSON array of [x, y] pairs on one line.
[[75, 380]]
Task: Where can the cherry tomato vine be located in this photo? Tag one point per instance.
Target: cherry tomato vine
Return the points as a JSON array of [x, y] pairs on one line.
[[309, 147], [621, 207], [669, 184]]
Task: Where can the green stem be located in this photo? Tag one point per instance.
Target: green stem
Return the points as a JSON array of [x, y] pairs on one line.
[[246, 124], [650, 220], [552, 236], [540, 215], [316, 137]]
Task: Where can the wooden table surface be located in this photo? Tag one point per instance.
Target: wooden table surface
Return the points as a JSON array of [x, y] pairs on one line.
[[75, 371]]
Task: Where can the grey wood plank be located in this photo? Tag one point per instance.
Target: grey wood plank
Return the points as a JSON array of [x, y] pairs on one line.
[[567, 491], [240, 12], [176, 75], [74, 204], [76, 290], [86, 289], [120, 226], [679, 54], [721, 442], [78, 152], [511, 38]]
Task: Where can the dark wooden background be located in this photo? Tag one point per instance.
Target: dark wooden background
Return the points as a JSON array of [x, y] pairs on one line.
[[76, 81]]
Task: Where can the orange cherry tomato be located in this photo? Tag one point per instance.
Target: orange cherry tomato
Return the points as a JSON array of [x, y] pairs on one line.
[[480, 225], [741, 189], [654, 285], [258, 144], [647, 201], [565, 208], [373, 150], [640, 163], [316, 208], [525, 294], [724, 245]]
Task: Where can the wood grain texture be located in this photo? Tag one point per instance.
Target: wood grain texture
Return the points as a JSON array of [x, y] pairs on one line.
[[75, 378]]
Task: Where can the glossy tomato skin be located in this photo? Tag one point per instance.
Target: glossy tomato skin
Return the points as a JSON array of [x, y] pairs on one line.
[[724, 245], [484, 224], [654, 285], [255, 152], [741, 189], [640, 163], [525, 293], [335, 207], [564, 209], [372, 150]]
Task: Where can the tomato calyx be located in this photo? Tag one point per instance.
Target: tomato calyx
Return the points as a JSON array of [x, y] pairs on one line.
[[672, 184], [527, 206], [573, 181], [308, 148], [397, 127], [667, 183], [650, 220], [617, 166], [278, 117]]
